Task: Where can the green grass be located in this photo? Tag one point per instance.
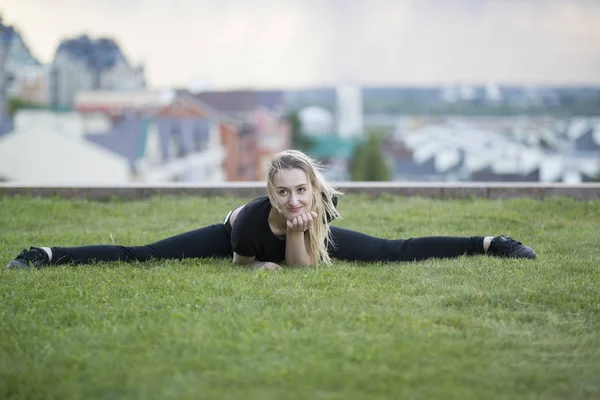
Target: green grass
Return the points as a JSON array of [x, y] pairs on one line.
[[467, 328]]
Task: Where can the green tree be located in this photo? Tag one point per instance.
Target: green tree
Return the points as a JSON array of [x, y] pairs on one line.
[[299, 140], [368, 163], [16, 103]]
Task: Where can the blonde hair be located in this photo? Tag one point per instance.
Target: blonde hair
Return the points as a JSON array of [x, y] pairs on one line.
[[322, 201]]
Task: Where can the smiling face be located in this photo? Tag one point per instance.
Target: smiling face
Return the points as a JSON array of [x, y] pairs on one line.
[[293, 192]]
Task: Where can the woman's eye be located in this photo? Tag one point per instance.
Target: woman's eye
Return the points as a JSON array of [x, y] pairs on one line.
[[302, 190], [282, 192]]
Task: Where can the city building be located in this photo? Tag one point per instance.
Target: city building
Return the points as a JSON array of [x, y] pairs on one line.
[[166, 136], [264, 131], [350, 122], [47, 148], [83, 64]]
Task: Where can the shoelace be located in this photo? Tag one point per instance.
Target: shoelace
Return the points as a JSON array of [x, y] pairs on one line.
[[509, 238]]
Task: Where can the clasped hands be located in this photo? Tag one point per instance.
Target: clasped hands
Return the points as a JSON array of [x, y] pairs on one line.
[[302, 222]]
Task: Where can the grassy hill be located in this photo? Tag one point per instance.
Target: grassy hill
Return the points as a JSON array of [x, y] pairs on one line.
[[466, 328]]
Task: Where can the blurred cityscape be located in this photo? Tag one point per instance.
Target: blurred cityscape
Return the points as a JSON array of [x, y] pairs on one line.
[[89, 117]]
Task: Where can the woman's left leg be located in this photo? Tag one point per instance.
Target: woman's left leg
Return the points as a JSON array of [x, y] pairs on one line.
[[355, 246]]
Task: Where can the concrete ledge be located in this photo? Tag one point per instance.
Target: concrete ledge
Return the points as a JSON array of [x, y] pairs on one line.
[[441, 190]]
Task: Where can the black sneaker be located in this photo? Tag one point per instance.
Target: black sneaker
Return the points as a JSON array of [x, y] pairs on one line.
[[33, 257], [507, 247]]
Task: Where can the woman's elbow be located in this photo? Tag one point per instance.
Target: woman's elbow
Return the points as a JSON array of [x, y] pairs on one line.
[[300, 263], [242, 260]]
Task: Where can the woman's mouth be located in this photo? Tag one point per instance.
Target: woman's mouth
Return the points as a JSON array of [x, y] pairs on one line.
[[295, 210]]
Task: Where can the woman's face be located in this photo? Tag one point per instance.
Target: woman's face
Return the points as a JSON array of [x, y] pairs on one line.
[[293, 192]]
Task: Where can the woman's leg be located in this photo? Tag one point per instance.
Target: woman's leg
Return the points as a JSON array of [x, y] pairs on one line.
[[355, 246], [210, 241]]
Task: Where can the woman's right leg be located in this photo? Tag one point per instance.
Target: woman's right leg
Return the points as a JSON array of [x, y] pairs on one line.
[[210, 241]]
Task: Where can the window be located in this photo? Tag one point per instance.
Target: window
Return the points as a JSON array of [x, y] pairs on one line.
[[177, 147], [200, 139]]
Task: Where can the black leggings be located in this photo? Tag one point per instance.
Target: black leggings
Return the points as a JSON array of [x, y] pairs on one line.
[[215, 241]]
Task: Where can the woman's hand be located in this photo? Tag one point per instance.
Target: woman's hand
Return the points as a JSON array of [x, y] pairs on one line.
[[269, 266], [302, 222]]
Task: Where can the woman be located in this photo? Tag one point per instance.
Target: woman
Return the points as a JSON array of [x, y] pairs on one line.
[[291, 225]]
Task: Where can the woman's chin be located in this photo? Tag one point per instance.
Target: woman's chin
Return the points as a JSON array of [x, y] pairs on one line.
[[292, 214]]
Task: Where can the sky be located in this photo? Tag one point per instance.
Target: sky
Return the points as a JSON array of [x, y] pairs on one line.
[[298, 43]]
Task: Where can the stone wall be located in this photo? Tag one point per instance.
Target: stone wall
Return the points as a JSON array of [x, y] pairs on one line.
[[539, 191]]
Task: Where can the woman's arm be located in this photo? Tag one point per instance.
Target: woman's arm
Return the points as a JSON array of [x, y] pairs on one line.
[[252, 262], [297, 240]]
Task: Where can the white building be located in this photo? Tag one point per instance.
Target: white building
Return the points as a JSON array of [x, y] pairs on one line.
[[468, 150], [350, 122], [202, 166], [122, 77], [493, 93], [84, 64], [29, 79], [165, 136], [316, 121], [31, 83], [41, 156], [69, 77]]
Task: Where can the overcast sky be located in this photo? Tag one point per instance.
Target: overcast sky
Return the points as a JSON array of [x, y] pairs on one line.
[[292, 43]]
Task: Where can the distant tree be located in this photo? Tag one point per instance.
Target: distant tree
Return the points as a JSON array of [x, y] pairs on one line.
[[16, 103], [367, 162], [300, 141]]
